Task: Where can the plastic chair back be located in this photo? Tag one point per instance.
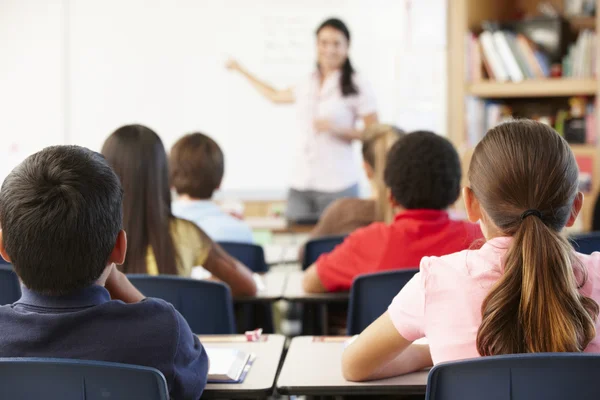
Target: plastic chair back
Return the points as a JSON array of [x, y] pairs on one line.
[[251, 255], [206, 306], [10, 288], [315, 247], [586, 243], [64, 379], [371, 294], [543, 376]]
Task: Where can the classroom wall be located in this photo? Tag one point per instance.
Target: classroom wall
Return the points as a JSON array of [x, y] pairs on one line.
[[73, 71]]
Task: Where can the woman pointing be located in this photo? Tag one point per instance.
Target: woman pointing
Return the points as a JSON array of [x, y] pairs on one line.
[[329, 102]]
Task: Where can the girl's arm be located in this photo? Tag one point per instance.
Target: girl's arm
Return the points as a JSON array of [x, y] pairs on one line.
[[230, 271], [381, 352], [276, 96], [349, 134]]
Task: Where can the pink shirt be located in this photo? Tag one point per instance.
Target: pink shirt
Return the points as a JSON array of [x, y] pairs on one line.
[[324, 162], [443, 301]]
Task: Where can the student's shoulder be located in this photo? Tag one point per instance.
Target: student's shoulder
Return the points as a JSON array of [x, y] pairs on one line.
[[447, 264], [375, 232]]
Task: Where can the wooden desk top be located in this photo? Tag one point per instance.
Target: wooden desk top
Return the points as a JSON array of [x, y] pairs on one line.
[[274, 286], [314, 369], [261, 377], [294, 292]]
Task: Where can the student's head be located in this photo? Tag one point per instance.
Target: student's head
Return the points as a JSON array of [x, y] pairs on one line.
[[423, 172], [60, 212], [376, 141], [524, 183], [196, 165], [333, 43], [138, 156]]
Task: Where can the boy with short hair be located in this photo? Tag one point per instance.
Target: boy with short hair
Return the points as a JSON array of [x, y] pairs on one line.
[[197, 165], [61, 217], [423, 174]]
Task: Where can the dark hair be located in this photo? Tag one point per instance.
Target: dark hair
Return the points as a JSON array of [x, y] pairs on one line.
[[423, 171], [138, 156], [60, 212], [346, 82], [377, 139], [536, 305], [196, 164]]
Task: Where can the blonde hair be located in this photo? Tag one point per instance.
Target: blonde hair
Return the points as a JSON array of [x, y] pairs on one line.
[[377, 140]]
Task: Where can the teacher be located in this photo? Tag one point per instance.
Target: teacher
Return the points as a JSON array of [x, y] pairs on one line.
[[329, 102]]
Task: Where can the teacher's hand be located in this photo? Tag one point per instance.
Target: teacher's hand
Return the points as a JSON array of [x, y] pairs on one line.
[[233, 65], [323, 126]]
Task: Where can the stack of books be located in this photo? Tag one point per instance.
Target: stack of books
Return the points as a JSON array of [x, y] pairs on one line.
[[580, 62]]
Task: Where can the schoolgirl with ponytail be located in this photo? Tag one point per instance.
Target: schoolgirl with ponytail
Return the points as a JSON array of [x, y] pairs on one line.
[[524, 291]]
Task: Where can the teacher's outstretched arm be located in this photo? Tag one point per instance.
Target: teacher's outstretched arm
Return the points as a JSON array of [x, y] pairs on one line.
[[276, 96]]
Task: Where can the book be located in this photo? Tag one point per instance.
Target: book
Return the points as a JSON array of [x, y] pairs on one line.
[[227, 365], [519, 56], [492, 56], [527, 50], [507, 56]]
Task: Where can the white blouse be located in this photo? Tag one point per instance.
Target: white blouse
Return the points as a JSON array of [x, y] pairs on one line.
[[323, 162]]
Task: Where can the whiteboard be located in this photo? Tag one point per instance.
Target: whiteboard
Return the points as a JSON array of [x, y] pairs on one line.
[[161, 63]]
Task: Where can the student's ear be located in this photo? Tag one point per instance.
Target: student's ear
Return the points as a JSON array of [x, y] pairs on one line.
[[577, 204], [471, 205], [392, 200], [3, 250], [117, 256], [368, 170]]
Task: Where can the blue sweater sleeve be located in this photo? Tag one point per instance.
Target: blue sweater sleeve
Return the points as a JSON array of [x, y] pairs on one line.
[[190, 364]]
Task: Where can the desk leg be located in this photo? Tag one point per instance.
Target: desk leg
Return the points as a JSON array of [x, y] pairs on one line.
[[324, 319]]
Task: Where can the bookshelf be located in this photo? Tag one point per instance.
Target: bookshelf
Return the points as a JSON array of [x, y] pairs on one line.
[[465, 16]]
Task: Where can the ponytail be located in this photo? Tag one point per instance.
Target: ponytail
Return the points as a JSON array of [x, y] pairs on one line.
[[346, 82], [536, 306], [377, 140]]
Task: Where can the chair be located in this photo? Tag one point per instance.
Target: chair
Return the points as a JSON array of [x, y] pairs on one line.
[[251, 255], [547, 376], [371, 294], [10, 289], [205, 305], [586, 243], [64, 379], [315, 247]]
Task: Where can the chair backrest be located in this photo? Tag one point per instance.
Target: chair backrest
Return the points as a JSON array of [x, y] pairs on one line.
[[586, 243], [251, 255], [206, 306], [10, 289], [371, 294], [315, 247], [64, 379], [547, 376]]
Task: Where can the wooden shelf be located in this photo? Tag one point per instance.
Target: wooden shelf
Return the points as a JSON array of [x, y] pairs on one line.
[[581, 23], [534, 88]]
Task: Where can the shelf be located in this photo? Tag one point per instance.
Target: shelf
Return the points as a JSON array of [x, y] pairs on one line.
[[581, 23], [534, 88]]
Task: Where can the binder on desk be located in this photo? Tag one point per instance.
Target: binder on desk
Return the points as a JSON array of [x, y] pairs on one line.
[[228, 365]]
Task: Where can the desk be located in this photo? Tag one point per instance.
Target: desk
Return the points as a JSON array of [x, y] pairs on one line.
[[295, 292], [314, 303], [314, 369], [260, 379], [274, 286]]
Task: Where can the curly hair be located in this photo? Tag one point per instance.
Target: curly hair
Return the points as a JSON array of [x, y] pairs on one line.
[[423, 171]]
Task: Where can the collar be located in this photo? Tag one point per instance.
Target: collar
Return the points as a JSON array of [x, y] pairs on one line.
[[494, 251], [422, 214], [87, 297]]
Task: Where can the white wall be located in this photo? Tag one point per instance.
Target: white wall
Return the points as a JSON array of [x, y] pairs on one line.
[[92, 66], [32, 78]]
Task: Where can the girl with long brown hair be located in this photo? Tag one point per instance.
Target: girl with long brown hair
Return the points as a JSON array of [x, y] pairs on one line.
[[159, 243], [524, 291]]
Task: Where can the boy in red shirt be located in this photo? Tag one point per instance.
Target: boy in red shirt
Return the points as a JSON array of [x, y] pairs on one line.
[[423, 175]]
